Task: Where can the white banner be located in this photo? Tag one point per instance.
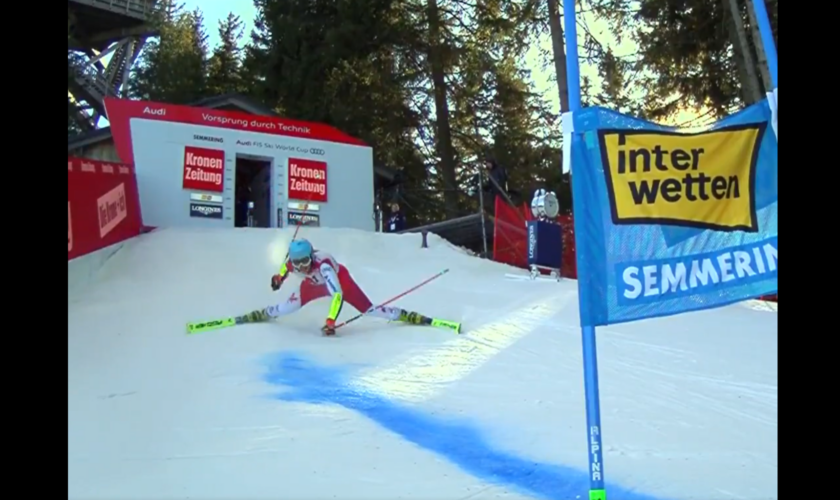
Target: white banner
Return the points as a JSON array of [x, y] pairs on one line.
[[210, 198], [773, 99], [568, 128], [307, 207]]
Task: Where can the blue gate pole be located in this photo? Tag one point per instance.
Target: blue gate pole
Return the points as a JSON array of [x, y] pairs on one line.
[[590, 355], [763, 20]]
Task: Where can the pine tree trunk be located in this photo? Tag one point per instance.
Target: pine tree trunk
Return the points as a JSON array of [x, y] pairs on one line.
[[763, 67], [556, 29], [444, 132], [750, 86]]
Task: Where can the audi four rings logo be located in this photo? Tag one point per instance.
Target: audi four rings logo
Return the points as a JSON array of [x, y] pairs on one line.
[[316, 151]]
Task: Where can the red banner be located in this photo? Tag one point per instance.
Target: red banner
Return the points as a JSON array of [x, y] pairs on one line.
[[204, 169], [103, 205], [510, 236], [307, 180]]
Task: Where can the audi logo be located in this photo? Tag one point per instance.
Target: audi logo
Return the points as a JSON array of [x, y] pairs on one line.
[[316, 151]]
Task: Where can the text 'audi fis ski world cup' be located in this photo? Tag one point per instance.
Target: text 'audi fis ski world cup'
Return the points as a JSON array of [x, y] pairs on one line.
[[704, 180]]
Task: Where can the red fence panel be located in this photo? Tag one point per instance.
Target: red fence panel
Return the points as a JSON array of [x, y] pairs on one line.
[[569, 266], [103, 205], [510, 237]]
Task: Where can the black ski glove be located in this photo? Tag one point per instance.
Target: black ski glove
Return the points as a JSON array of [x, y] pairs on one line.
[[276, 282]]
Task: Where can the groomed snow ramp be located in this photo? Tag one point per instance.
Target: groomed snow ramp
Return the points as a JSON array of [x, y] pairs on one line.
[[383, 411]]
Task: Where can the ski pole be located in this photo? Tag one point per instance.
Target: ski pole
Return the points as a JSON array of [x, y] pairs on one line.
[[415, 287], [297, 228]]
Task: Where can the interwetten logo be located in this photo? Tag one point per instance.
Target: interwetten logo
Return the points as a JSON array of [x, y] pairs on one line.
[[704, 180]]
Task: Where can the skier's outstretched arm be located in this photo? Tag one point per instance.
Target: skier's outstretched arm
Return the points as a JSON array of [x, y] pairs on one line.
[[278, 279]]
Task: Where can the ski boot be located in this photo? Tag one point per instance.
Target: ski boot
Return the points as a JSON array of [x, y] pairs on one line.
[[258, 316], [414, 318]]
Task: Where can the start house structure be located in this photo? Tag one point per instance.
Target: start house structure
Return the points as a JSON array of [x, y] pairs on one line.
[[227, 161]]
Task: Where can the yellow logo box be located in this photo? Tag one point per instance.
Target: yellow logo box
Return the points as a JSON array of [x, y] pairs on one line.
[[704, 180]]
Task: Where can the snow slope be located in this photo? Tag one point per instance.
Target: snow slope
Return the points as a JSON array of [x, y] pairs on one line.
[[276, 411]]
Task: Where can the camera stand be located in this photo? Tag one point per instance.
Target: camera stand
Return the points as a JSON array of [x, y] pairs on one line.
[[535, 272]]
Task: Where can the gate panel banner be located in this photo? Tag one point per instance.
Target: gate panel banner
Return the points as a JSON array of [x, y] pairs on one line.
[[673, 221]]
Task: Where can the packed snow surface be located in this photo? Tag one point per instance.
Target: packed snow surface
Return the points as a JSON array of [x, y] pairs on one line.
[[385, 411]]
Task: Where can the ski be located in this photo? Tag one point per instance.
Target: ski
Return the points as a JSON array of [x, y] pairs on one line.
[[218, 324], [451, 325], [207, 326]]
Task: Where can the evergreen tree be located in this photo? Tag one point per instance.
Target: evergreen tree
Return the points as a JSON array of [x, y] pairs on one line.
[[224, 74], [349, 63], [173, 67], [497, 106], [692, 53]]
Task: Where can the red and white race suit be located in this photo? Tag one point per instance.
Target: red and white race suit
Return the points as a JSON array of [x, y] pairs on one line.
[[326, 277]]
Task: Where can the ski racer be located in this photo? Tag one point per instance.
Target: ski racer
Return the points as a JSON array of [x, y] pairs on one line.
[[323, 276]]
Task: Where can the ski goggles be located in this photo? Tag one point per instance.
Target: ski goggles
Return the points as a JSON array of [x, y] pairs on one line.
[[302, 262]]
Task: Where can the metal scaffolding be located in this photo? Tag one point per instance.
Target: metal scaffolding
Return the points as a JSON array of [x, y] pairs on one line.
[[104, 39]]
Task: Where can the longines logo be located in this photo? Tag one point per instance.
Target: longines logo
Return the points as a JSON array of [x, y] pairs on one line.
[[204, 210], [207, 138]]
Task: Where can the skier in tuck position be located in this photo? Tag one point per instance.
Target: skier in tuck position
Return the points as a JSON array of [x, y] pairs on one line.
[[323, 276]]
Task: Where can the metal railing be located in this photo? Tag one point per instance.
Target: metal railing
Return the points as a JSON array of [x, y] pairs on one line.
[[135, 8]]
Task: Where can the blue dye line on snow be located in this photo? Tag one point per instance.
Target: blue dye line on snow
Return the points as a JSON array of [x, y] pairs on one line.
[[459, 442]]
